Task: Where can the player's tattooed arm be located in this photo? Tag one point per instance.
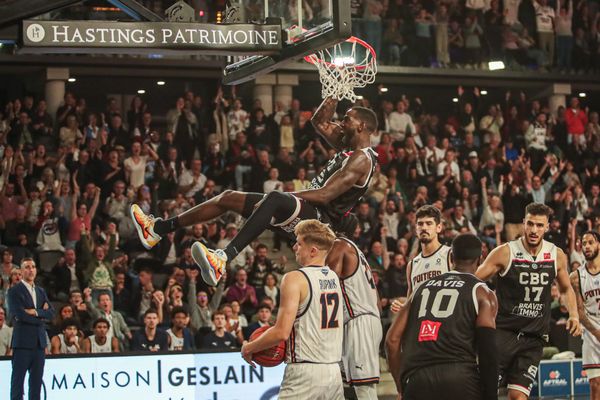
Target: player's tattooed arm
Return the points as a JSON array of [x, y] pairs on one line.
[[331, 131], [587, 324], [356, 168], [564, 286]]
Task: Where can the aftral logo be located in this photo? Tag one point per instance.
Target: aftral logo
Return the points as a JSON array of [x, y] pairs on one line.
[[555, 379]]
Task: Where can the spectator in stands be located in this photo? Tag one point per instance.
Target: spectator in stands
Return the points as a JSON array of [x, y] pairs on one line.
[[564, 34], [192, 180], [269, 289], [576, 120], [98, 271], [264, 318], [219, 339], [180, 335], [544, 18], [135, 165], [201, 309], [400, 123], [142, 298], [76, 301], [151, 338], [117, 325], [67, 275], [261, 266], [68, 341], [5, 333], [101, 341], [121, 294], [243, 292]]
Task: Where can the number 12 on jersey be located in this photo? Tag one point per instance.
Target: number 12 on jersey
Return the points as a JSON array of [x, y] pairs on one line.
[[329, 301]]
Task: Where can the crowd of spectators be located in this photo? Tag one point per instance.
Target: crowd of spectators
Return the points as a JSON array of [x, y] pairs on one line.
[[541, 35], [67, 181]]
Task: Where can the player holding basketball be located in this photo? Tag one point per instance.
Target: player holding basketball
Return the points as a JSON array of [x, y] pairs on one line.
[[310, 318], [333, 193], [586, 284], [441, 345], [362, 327], [526, 268]]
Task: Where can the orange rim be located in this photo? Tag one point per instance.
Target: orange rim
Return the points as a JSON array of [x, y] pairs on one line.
[[313, 58]]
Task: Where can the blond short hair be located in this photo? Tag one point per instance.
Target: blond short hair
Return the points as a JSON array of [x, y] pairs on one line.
[[315, 233]]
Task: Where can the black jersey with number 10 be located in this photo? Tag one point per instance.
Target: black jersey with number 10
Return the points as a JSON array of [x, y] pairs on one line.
[[441, 325]]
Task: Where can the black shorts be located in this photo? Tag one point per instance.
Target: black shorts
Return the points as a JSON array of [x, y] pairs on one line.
[[457, 381], [296, 210], [518, 358]]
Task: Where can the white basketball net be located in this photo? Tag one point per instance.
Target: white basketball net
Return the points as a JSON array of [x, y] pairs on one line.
[[340, 73]]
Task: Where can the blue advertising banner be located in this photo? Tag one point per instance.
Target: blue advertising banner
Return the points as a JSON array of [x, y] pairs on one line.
[[200, 376], [581, 384], [555, 378]]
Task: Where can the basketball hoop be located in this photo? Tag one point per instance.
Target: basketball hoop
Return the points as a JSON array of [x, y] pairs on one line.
[[343, 67]]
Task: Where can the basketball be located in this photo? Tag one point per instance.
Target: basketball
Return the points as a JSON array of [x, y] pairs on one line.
[[268, 357]]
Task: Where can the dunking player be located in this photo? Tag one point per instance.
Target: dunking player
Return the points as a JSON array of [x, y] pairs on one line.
[[526, 268], [362, 326], [310, 318], [442, 330], [586, 284], [333, 193]]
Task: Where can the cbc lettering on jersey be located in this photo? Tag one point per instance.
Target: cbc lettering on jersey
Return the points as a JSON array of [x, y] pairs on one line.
[[533, 278], [205, 376]]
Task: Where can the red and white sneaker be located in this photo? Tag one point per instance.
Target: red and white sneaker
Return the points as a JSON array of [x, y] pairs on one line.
[[211, 262], [144, 224]]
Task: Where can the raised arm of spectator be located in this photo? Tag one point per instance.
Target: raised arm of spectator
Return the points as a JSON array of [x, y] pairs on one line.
[[484, 194], [95, 203], [385, 253], [151, 153], [217, 296]]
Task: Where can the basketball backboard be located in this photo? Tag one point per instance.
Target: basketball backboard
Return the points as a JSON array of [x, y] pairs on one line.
[[310, 25]]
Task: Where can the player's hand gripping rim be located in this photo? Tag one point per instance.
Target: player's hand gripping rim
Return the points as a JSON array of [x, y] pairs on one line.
[[573, 326]]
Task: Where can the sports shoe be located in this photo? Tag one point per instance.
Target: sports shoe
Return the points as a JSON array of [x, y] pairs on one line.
[[211, 262], [144, 224]]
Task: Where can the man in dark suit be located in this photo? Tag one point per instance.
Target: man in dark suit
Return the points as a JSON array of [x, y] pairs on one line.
[[30, 308]]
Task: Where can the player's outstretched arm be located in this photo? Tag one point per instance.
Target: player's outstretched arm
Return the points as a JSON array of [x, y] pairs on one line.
[[485, 334], [585, 322], [393, 342], [358, 165], [331, 131], [564, 286], [495, 263], [291, 289]]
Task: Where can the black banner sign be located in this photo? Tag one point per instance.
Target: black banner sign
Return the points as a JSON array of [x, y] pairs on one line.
[[249, 38]]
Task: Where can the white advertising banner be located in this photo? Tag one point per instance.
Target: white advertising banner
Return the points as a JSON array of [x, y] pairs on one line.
[[201, 376]]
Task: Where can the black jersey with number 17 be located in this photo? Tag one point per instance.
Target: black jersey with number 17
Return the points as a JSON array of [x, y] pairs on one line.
[[346, 201], [441, 324], [523, 289]]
